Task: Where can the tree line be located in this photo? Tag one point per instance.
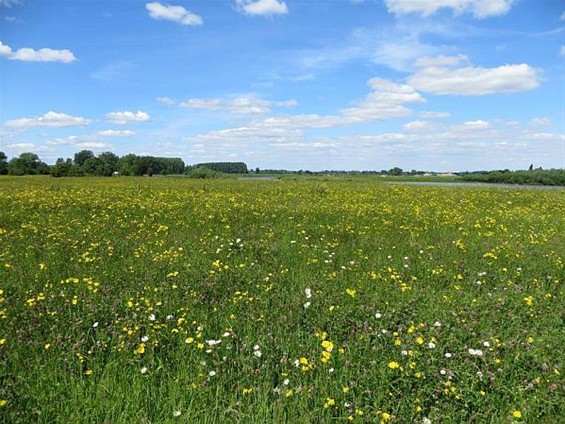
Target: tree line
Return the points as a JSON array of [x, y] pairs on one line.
[[225, 167], [552, 177], [86, 163], [107, 164]]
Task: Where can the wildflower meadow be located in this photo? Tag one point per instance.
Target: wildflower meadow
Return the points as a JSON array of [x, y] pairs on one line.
[[149, 300]]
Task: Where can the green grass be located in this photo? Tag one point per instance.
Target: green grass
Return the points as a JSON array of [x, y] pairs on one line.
[[427, 303]]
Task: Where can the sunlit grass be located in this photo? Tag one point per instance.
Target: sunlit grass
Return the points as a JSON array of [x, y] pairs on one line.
[[166, 299]]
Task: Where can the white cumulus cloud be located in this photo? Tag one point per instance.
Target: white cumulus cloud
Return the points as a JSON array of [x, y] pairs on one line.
[[475, 81], [261, 7], [434, 115], [115, 133], [386, 100], [9, 3], [93, 145], [479, 124], [287, 103], [540, 122], [165, 101], [122, 118], [478, 8], [240, 105], [445, 61], [27, 54], [50, 119], [22, 146], [173, 13], [419, 126]]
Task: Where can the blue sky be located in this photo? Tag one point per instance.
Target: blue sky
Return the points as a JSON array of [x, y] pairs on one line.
[[444, 85]]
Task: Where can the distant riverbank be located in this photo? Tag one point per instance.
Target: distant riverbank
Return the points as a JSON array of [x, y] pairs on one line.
[[475, 184]]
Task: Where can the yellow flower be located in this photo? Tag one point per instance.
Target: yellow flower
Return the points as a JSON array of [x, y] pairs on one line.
[[385, 417], [351, 292], [189, 340], [393, 365], [140, 349], [329, 402], [345, 389], [247, 391], [517, 414], [420, 340], [326, 344], [3, 402], [88, 372]]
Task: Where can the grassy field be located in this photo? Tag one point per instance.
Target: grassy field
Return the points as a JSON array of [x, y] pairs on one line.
[[149, 300]]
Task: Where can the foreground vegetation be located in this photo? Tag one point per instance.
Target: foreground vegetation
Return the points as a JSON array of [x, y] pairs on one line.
[[177, 300]]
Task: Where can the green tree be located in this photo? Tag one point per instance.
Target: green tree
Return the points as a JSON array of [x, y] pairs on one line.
[[127, 165], [92, 166], [62, 168], [202, 172], [27, 164], [82, 156], [3, 163], [395, 171], [110, 163], [225, 167]]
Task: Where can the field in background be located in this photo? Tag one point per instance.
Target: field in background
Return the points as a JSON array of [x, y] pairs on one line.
[[174, 300]]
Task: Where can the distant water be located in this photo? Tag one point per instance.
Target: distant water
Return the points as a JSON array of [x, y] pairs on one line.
[[476, 184], [258, 178]]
